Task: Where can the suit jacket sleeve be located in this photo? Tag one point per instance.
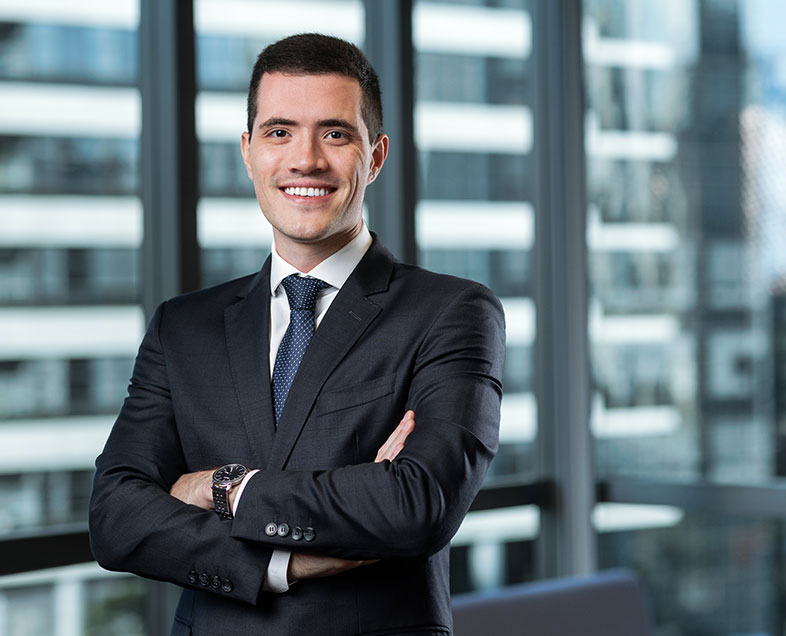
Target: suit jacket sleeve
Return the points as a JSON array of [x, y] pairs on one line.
[[135, 525], [414, 505]]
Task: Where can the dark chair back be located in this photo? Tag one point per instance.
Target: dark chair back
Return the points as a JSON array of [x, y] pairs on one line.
[[605, 604]]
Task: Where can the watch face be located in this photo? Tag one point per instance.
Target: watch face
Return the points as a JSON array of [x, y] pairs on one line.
[[229, 474]]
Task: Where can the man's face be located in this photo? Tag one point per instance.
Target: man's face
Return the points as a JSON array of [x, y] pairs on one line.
[[310, 159]]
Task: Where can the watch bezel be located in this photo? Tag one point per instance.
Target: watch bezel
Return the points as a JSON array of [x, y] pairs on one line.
[[224, 482]]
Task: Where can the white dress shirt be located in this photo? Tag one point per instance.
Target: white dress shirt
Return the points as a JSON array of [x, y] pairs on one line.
[[334, 270]]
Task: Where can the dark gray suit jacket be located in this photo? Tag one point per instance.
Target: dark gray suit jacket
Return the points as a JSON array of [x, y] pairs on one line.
[[395, 337]]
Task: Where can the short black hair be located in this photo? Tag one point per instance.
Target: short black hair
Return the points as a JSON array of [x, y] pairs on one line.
[[317, 54]]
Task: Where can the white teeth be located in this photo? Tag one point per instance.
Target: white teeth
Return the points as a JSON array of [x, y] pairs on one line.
[[306, 192]]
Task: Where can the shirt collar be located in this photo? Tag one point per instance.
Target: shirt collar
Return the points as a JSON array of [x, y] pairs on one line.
[[334, 270]]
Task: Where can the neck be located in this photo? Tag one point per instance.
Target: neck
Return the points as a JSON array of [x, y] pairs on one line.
[[306, 256]]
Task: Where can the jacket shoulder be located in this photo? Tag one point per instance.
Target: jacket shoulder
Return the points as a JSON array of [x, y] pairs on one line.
[[223, 292], [435, 283], [206, 305]]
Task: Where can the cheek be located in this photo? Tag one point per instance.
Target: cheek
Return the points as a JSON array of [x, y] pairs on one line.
[[357, 172], [262, 166], [361, 181]]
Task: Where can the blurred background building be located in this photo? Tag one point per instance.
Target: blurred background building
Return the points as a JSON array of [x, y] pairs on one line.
[[613, 169]]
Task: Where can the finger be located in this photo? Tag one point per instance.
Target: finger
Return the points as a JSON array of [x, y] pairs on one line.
[[403, 430], [405, 427], [310, 566], [384, 449], [393, 445], [384, 452], [390, 452], [395, 451]]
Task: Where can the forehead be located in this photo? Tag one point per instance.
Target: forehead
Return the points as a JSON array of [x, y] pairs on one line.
[[321, 96]]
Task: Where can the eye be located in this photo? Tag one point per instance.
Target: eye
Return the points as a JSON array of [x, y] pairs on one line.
[[336, 134], [278, 133]]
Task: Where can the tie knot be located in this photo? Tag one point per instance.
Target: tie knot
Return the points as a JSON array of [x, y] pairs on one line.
[[302, 292]]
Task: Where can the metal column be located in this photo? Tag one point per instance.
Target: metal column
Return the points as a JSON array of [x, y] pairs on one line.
[[391, 199], [169, 187], [169, 168], [562, 349]]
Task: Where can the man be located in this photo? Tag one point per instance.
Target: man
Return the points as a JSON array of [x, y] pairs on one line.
[[334, 490]]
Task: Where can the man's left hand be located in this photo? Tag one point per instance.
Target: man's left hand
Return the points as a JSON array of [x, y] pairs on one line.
[[194, 488]]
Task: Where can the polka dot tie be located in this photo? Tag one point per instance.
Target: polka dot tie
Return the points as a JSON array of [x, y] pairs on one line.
[[302, 294]]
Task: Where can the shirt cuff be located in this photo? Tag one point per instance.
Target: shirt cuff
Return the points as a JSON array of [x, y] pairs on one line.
[[276, 579], [240, 490]]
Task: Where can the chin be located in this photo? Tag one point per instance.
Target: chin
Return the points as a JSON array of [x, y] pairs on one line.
[[308, 235]]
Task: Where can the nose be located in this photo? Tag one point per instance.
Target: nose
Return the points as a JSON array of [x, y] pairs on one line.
[[307, 156]]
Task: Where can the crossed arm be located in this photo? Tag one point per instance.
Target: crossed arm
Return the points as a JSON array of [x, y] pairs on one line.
[[136, 525], [195, 488]]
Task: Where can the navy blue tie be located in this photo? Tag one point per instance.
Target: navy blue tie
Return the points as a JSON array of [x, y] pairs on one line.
[[302, 294]]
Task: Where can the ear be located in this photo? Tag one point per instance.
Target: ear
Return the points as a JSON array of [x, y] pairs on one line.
[[245, 149], [379, 152]]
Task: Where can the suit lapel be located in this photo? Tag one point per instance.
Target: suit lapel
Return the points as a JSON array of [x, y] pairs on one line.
[[349, 316], [247, 329]]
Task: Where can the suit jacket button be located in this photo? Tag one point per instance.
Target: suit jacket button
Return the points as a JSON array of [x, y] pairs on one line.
[[204, 579], [227, 586], [216, 582], [297, 533], [271, 529], [193, 577], [309, 534], [283, 530]]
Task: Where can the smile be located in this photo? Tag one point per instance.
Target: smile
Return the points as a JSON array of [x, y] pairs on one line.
[[308, 192]]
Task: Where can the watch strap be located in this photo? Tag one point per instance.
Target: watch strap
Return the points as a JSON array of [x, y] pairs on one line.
[[221, 500]]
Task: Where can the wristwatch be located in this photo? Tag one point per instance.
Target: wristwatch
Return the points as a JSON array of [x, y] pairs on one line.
[[224, 479]]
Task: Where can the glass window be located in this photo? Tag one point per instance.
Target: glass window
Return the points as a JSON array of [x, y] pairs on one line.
[[685, 136], [79, 599], [474, 219], [69, 290], [704, 573], [684, 132]]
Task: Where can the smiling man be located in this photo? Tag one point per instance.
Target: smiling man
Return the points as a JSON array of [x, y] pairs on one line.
[[262, 441], [311, 160]]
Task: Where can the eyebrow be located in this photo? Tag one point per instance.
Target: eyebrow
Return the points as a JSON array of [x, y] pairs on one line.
[[277, 121], [323, 123], [339, 123]]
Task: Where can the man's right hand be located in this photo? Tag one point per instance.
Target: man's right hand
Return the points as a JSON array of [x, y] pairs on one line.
[[395, 443], [304, 565]]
